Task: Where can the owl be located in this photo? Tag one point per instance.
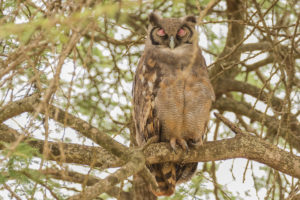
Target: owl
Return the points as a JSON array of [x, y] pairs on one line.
[[172, 95]]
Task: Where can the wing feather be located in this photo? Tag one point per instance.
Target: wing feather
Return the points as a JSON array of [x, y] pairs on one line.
[[146, 121]]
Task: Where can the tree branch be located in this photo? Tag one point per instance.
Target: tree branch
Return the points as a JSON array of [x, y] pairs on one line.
[[260, 63], [28, 104], [16, 108], [235, 34], [90, 180], [241, 146], [243, 108], [228, 85], [262, 46], [135, 164], [72, 153]]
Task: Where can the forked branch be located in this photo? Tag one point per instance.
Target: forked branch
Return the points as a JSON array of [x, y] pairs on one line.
[[243, 145]]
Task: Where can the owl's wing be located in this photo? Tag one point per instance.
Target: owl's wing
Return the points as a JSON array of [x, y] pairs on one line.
[[145, 86]]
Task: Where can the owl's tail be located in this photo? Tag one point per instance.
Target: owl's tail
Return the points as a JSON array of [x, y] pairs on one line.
[[165, 175]]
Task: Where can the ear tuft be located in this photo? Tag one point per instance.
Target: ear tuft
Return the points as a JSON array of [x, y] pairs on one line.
[[191, 18], [154, 18]]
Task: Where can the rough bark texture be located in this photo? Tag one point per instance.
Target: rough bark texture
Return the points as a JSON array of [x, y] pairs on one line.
[[241, 146], [141, 189], [72, 153]]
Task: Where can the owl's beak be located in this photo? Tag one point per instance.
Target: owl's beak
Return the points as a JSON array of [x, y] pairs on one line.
[[172, 42]]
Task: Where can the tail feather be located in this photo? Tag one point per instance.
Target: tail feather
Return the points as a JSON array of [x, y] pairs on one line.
[[168, 174], [165, 175], [184, 172]]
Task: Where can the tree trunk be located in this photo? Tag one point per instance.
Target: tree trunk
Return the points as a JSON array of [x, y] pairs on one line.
[[141, 189]]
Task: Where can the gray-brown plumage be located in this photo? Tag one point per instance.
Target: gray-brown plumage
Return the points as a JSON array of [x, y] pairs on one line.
[[172, 94]]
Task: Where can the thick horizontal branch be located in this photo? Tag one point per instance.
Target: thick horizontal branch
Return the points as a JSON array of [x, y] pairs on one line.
[[72, 153], [260, 63], [28, 104], [104, 141], [89, 131], [16, 108], [241, 146], [86, 155], [228, 85], [268, 60], [262, 46], [84, 128], [243, 108]]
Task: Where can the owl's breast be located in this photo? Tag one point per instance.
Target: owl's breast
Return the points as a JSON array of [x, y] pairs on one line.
[[170, 96], [181, 102], [178, 86]]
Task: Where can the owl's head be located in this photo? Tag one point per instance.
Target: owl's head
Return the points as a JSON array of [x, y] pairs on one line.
[[171, 32]]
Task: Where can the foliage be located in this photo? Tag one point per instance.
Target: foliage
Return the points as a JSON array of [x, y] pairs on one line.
[[81, 57]]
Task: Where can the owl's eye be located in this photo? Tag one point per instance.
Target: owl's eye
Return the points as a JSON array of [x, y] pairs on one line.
[[161, 32], [181, 32]]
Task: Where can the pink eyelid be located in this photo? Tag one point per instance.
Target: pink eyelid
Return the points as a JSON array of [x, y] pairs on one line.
[[181, 32], [161, 32]]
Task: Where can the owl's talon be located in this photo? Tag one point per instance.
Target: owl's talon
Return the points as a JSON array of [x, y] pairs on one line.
[[183, 145], [173, 144], [181, 142]]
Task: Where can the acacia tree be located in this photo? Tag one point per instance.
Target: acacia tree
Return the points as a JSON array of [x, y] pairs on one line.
[[65, 99]]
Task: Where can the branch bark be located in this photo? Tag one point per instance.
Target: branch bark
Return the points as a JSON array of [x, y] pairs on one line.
[[241, 146], [72, 153], [75, 177], [235, 34], [135, 164], [243, 108], [28, 104], [228, 85]]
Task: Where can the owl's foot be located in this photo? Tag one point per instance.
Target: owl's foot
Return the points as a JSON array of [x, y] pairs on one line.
[[195, 143], [181, 142]]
